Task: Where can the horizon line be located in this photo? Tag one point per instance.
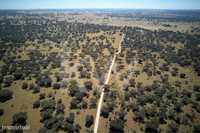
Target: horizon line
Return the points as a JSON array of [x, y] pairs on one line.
[[96, 9]]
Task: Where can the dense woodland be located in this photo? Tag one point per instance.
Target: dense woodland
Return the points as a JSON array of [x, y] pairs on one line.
[[34, 48]]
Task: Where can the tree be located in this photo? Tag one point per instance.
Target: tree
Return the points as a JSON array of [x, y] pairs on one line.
[[36, 89], [93, 103], [89, 120], [44, 81], [52, 124], [42, 96], [20, 118], [68, 127], [1, 112], [56, 86], [70, 118], [88, 85], [60, 108], [105, 111], [7, 80], [48, 104], [45, 115], [172, 127], [5, 95], [24, 85], [117, 126], [84, 104], [140, 115], [18, 75], [36, 104], [152, 126], [182, 75], [132, 82], [73, 88], [196, 128]]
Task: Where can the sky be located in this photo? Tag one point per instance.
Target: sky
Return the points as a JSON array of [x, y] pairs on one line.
[[135, 4]]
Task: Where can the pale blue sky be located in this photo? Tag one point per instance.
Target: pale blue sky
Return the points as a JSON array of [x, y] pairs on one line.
[[152, 4]]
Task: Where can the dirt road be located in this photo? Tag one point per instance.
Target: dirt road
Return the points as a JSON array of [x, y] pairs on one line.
[[96, 124]]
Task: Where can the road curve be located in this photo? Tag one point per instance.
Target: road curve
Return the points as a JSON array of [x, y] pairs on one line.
[[96, 124]]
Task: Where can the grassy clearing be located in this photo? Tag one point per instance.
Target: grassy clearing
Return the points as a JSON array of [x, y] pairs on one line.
[[22, 102]]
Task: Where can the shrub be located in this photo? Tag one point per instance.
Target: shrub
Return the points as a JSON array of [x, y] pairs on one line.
[[48, 104], [68, 127], [36, 104], [93, 103], [84, 105], [20, 118], [182, 75], [105, 111], [196, 128], [1, 112], [45, 115], [172, 127], [152, 126], [88, 85], [7, 80], [5, 95], [36, 89], [56, 86], [73, 88], [75, 104], [89, 120], [44, 81], [117, 126], [24, 85], [60, 108], [18, 75], [70, 118], [42, 96]]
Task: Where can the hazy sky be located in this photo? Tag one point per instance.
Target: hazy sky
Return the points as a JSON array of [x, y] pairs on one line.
[[152, 4]]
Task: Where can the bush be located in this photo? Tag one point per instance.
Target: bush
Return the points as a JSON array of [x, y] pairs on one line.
[[93, 103], [48, 104], [44, 81], [196, 128], [152, 126], [31, 86], [105, 111], [73, 88], [24, 85], [117, 126], [45, 115], [132, 82], [84, 105], [172, 127], [182, 75], [70, 118], [5, 95], [50, 123], [7, 80], [88, 85], [36, 89], [75, 104], [197, 96], [68, 127], [42, 96], [36, 104], [20, 118], [1, 112], [60, 108], [56, 86], [18, 75], [89, 120]]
